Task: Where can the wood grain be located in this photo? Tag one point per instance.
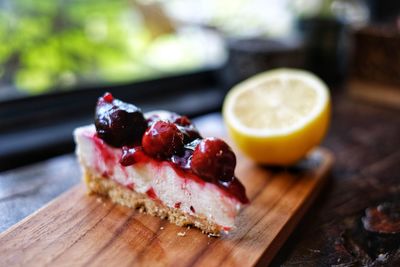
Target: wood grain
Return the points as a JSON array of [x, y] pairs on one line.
[[81, 230]]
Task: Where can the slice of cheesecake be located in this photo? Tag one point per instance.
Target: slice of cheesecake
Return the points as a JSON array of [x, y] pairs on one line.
[[159, 163]]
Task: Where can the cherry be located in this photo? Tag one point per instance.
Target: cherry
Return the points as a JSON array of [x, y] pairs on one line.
[[118, 123], [236, 188], [213, 159], [162, 140], [182, 160], [108, 97]]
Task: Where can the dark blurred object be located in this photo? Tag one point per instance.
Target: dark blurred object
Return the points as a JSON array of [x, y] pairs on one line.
[[383, 10], [383, 219], [326, 47], [251, 56], [376, 64], [377, 54]]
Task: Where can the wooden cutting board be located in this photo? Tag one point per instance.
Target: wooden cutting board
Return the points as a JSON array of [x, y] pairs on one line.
[[79, 230]]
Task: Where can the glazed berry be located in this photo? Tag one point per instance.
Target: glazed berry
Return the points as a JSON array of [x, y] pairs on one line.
[[182, 160], [108, 97], [118, 123], [213, 160], [162, 140]]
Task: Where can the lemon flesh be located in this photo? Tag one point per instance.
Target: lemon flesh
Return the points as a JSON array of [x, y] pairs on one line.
[[276, 117]]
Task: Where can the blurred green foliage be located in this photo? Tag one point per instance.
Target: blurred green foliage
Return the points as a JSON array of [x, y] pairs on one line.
[[47, 44]]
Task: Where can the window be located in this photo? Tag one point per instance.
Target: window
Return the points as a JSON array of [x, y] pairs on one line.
[[58, 45]]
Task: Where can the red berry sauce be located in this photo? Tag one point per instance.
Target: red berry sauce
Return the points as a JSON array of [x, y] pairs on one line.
[[130, 186], [151, 193], [192, 209]]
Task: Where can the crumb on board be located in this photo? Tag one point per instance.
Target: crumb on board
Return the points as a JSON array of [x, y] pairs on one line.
[[212, 235], [181, 234], [99, 199], [161, 228]]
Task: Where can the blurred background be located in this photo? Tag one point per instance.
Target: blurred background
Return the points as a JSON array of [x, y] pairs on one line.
[[53, 45], [57, 56]]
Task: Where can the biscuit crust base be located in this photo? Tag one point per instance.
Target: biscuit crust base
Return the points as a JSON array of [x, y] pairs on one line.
[[129, 198]]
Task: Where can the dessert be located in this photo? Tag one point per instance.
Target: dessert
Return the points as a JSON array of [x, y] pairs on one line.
[[158, 162]]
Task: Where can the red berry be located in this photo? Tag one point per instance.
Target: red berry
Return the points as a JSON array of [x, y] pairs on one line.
[[119, 123], [108, 97], [162, 140], [213, 160]]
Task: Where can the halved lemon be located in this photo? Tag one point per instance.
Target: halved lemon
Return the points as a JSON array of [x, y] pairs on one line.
[[278, 116]]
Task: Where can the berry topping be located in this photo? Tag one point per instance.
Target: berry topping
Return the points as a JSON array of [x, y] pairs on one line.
[[165, 136], [118, 123], [236, 188], [182, 121], [128, 156], [183, 160], [213, 159], [190, 133], [192, 145], [152, 119], [108, 97], [162, 140]]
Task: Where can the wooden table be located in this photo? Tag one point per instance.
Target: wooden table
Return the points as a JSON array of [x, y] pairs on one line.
[[366, 142]]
